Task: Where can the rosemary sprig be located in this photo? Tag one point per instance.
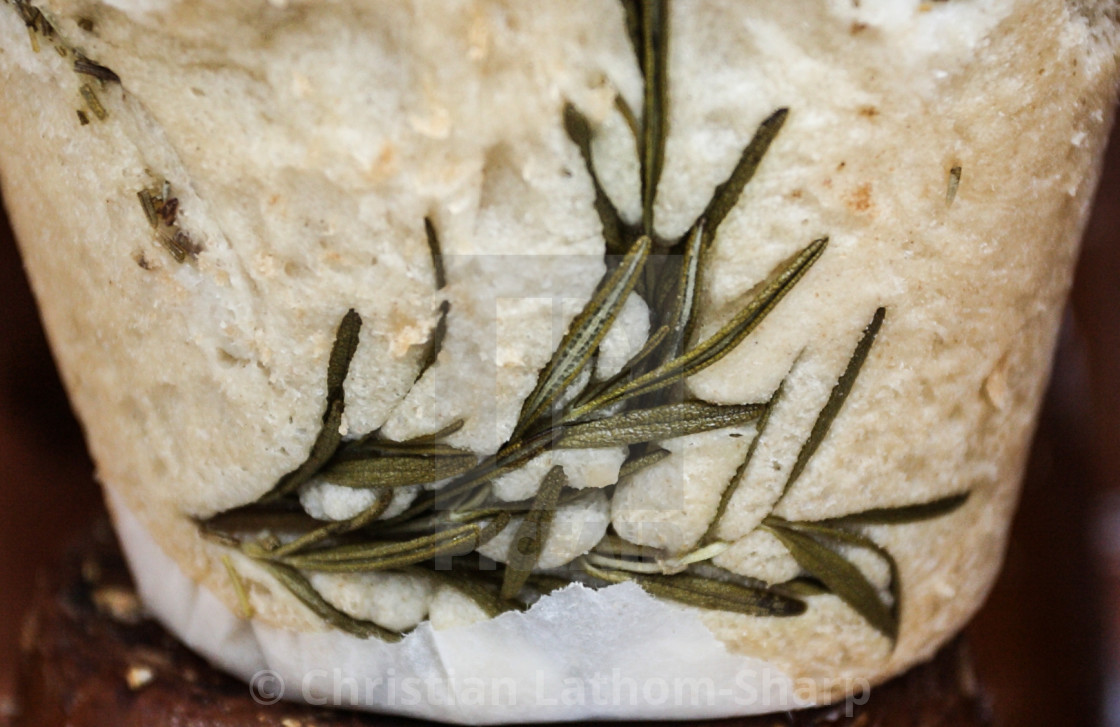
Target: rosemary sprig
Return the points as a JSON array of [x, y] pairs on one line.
[[642, 405], [720, 343]]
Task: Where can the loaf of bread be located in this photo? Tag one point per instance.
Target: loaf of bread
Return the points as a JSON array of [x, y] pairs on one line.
[[642, 340]]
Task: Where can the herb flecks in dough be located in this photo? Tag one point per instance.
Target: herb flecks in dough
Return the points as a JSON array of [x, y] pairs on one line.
[[954, 183], [641, 406], [87, 67], [40, 28], [162, 212], [93, 102]]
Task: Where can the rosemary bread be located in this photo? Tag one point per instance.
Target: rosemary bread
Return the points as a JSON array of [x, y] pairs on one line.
[[535, 342]]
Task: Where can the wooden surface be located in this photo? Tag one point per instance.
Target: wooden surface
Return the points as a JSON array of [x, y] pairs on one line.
[[1038, 642]]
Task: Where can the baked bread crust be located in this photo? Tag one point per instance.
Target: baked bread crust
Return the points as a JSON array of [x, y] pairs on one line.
[[199, 379]]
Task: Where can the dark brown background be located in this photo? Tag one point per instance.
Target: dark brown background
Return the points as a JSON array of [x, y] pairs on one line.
[[1041, 642]]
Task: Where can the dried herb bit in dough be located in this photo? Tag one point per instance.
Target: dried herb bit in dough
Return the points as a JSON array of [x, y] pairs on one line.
[[161, 210]]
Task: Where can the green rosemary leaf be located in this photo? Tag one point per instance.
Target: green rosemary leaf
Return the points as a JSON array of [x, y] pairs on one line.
[[397, 470], [454, 495], [233, 526], [836, 400], [373, 447], [614, 229], [837, 573], [859, 540], [483, 596], [528, 541], [722, 595], [488, 511], [681, 312], [654, 59], [714, 348], [425, 445], [436, 253], [302, 589], [725, 498], [900, 515], [584, 335], [625, 564], [491, 529], [342, 352], [245, 606], [615, 546], [702, 592], [629, 117], [368, 549], [329, 439], [656, 423], [439, 434], [637, 464], [435, 342], [727, 194], [362, 519], [366, 557]]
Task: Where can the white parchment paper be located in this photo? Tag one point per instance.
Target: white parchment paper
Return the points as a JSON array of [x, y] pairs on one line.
[[576, 654]]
